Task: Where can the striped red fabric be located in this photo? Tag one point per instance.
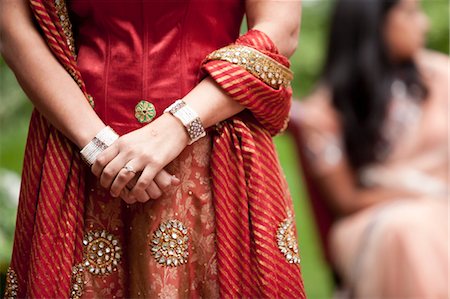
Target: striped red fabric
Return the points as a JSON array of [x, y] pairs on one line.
[[250, 192], [49, 228]]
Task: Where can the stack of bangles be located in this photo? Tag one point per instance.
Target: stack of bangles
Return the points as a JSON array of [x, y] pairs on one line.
[[258, 64]]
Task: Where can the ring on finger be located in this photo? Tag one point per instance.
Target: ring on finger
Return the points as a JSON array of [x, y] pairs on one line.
[[129, 168]]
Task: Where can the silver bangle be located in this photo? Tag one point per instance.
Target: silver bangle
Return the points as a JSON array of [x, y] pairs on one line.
[[189, 118], [98, 144]]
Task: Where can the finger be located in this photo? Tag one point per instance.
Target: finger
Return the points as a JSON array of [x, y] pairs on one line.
[[133, 181], [154, 191], [111, 170], [175, 181], [142, 184], [125, 195], [103, 159], [122, 178], [163, 179]]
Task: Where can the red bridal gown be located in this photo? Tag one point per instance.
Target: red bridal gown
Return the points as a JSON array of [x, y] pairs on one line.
[[136, 58]]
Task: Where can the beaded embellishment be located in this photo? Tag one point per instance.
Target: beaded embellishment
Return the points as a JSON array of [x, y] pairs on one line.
[[260, 65], [144, 112], [66, 25], [77, 282], [287, 242], [102, 252], [12, 286], [170, 243]]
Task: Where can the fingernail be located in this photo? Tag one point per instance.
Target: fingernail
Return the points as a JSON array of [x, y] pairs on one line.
[[175, 181]]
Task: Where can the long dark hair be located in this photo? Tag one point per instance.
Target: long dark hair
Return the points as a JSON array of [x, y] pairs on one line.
[[360, 73]]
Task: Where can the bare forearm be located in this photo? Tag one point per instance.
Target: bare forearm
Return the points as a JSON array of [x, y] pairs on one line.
[[211, 103], [281, 22], [51, 89]]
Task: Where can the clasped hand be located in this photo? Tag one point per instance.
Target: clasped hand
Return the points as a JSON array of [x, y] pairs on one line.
[[147, 151]]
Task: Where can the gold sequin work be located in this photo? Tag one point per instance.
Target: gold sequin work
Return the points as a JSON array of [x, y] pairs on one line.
[[77, 282], [260, 65], [287, 242], [66, 25], [12, 286], [170, 243], [102, 252]]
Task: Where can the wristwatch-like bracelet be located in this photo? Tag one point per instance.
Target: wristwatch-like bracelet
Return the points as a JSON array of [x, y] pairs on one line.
[[189, 118]]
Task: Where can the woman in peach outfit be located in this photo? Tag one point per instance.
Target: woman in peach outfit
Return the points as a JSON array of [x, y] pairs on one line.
[[376, 137]]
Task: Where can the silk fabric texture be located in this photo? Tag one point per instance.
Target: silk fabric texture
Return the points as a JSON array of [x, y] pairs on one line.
[[250, 191]]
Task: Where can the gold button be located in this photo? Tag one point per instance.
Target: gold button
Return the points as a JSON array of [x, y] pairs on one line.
[[144, 112]]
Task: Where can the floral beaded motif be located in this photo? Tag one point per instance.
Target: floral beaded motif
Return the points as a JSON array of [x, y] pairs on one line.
[[77, 282], [287, 242], [12, 286], [102, 252], [144, 112], [260, 65], [170, 243]]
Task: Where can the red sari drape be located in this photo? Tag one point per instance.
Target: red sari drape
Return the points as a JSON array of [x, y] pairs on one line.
[[250, 192]]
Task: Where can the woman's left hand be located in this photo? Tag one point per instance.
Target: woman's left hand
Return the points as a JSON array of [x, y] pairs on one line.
[[148, 149]]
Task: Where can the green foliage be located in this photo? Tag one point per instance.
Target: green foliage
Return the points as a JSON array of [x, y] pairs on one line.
[[438, 15]]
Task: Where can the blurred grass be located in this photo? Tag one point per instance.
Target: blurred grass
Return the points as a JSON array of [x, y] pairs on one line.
[[15, 112]]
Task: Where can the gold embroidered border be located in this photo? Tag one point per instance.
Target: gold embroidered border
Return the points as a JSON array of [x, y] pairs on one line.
[[63, 14], [260, 65]]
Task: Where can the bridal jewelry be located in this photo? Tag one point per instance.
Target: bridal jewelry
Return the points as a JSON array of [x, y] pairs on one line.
[[98, 144]]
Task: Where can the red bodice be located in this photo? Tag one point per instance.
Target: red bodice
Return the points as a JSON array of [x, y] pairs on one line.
[[136, 50]]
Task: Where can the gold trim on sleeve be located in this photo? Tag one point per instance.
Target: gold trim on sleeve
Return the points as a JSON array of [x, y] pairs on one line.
[[260, 65]]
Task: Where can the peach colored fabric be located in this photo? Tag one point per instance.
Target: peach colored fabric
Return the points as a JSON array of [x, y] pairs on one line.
[[398, 249]]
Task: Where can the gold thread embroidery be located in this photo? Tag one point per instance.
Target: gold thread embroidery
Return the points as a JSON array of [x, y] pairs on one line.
[[12, 286], [66, 25], [287, 242], [260, 65], [102, 252], [77, 282], [170, 243]]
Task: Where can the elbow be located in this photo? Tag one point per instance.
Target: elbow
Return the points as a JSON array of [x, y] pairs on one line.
[[292, 42], [292, 36]]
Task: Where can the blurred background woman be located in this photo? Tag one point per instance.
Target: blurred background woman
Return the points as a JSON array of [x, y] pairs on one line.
[[375, 132]]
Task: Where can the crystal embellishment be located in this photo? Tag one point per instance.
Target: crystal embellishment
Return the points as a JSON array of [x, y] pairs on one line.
[[170, 243], [12, 285], [66, 25], [258, 64], [77, 282], [287, 242], [102, 252]]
